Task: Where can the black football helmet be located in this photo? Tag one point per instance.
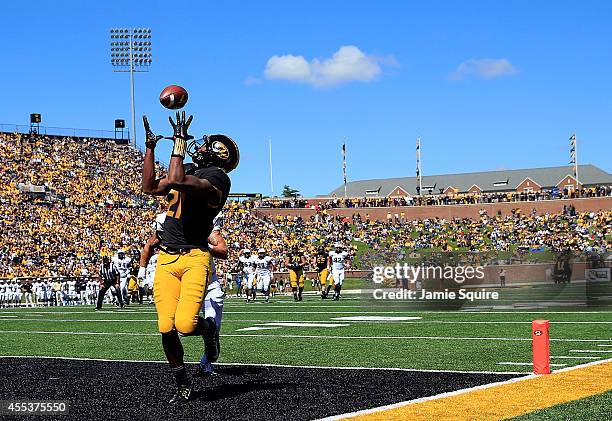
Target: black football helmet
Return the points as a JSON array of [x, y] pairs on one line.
[[214, 150]]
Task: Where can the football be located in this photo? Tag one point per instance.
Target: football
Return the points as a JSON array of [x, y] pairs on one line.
[[173, 97]]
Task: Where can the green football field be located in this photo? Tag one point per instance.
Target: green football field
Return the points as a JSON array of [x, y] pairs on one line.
[[353, 332]]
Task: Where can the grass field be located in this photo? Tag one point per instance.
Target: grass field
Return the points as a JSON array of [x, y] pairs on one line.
[[316, 332]]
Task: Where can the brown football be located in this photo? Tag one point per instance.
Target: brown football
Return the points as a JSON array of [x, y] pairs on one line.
[[173, 97]]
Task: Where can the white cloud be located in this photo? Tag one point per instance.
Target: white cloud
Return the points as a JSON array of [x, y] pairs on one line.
[[348, 64], [484, 68]]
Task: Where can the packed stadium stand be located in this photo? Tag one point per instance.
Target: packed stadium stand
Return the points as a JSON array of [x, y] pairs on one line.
[[522, 185], [66, 201]]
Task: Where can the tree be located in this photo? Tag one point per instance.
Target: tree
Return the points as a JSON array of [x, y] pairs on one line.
[[289, 192]]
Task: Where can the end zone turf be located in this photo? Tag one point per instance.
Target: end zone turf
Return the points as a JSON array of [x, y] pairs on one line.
[[123, 390]]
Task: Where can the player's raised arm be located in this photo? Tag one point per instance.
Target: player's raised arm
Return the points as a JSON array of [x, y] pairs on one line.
[[177, 179], [150, 184]]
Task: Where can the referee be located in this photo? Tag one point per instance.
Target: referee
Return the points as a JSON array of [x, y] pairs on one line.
[[110, 278]]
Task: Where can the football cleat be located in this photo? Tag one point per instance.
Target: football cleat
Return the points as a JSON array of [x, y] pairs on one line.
[[205, 369], [182, 395], [211, 341]]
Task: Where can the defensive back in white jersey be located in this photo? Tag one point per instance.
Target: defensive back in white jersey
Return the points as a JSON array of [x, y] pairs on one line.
[[338, 259]]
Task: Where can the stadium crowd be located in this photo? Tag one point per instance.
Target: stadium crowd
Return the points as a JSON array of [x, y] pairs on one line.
[[436, 199], [90, 205], [66, 201]]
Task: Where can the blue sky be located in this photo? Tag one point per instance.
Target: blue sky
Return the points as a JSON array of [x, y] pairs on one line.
[[487, 85]]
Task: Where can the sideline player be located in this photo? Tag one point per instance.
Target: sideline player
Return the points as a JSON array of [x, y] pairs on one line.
[[320, 262], [184, 262], [337, 258], [264, 266], [295, 261], [248, 268]]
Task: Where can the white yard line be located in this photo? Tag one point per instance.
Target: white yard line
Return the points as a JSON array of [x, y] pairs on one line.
[[272, 336], [274, 365], [517, 363], [577, 357], [454, 393], [330, 307], [590, 350], [334, 320]]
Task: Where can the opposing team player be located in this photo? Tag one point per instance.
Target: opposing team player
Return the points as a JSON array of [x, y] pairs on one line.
[[123, 264], [264, 265], [295, 261], [3, 295], [248, 269], [184, 261], [337, 259]]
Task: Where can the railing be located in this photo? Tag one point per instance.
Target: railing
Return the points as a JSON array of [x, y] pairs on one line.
[[66, 131]]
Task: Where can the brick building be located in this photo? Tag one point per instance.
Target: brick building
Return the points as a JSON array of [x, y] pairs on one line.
[[530, 180]]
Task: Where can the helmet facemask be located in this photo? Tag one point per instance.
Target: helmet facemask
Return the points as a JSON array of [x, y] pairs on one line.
[[214, 150]]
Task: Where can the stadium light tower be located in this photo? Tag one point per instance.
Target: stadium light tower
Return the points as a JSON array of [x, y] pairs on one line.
[[131, 52]]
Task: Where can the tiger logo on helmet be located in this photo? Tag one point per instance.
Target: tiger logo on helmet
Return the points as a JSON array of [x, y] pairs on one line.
[[215, 150]]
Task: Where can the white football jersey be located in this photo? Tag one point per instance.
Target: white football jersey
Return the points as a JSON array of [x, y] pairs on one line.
[[150, 271], [262, 265], [123, 265], [338, 259], [158, 224], [248, 264], [218, 222]]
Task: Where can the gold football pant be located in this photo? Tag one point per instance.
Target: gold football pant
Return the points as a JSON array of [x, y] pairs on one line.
[[296, 277], [323, 274], [179, 288]]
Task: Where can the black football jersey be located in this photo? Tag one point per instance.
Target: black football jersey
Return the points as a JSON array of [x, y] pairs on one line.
[[189, 219], [321, 261], [295, 260]]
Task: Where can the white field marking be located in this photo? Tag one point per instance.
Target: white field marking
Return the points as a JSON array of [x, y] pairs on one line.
[[513, 363], [462, 312], [373, 319], [85, 320], [245, 329], [421, 370], [589, 350], [376, 318], [454, 393], [307, 324], [605, 345], [577, 357], [402, 320], [438, 338], [49, 332]]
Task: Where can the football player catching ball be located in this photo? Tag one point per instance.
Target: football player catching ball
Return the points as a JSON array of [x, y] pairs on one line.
[[184, 265]]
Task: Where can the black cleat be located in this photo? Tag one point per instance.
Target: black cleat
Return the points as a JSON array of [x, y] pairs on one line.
[[211, 341], [182, 395]]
